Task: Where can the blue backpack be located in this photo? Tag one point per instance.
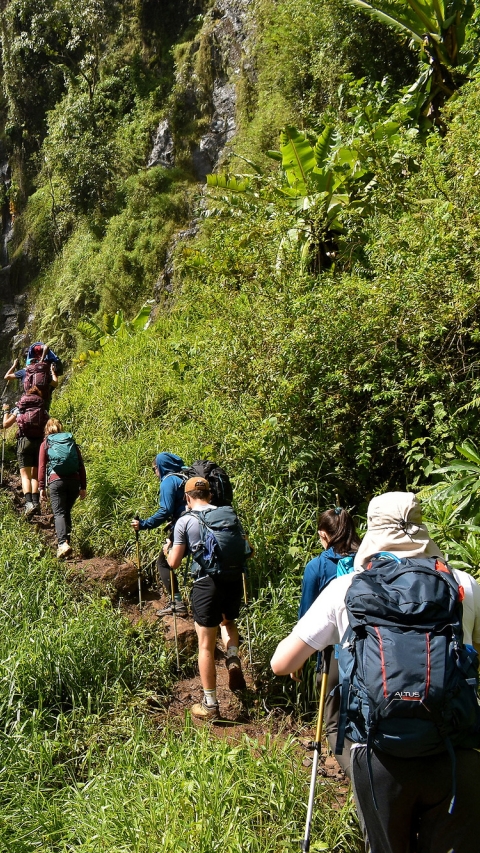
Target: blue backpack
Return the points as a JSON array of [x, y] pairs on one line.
[[223, 548], [408, 683]]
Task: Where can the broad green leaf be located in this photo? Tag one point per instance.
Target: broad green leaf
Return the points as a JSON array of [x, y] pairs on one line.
[[139, 321], [275, 155], [225, 182], [89, 329], [324, 145], [298, 158], [402, 22]]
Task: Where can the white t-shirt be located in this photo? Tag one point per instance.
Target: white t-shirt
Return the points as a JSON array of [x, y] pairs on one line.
[[325, 623]]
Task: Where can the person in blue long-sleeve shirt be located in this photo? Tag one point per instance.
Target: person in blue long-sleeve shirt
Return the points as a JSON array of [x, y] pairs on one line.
[[336, 529], [171, 498]]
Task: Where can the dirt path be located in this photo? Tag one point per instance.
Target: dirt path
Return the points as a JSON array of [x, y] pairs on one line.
[[241, 713]]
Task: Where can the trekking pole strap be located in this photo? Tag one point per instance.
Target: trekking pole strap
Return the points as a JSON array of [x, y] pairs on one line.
[[342, 716]]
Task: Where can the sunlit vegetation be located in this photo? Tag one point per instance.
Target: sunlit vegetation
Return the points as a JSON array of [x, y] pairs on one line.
[[317, 331]]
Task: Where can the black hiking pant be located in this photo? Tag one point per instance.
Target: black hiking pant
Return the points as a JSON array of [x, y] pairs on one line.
[[63, 494], [413, 797], [163, 571]]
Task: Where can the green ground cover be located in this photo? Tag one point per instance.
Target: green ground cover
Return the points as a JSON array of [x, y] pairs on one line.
[[84, 765]]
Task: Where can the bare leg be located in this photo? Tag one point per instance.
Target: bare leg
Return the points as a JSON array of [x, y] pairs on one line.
[[229, 632], [206, 656], [26, 478], [34, 480]]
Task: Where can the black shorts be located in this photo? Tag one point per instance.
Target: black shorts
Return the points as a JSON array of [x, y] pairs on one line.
[[215, 599], [28, 450]]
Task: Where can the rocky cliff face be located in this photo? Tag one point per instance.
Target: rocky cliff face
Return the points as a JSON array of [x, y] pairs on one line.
[[12, 300], [198, 123], [205, 92]]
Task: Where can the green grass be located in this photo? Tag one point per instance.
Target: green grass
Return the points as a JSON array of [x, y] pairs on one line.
[[85, 766]]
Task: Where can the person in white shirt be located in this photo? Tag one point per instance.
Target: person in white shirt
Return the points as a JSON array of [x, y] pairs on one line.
[[413, 794]]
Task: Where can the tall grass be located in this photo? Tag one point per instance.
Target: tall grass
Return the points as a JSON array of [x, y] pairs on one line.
[[138, 791], [84, 766]]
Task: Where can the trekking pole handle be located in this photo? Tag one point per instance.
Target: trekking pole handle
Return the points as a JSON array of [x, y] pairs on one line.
[[137, 518], [326, 658]]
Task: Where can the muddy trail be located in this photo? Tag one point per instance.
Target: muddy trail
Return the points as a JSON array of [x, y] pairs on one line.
[[241, 712]]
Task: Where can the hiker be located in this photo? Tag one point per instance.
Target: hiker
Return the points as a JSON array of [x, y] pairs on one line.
[[336, 529], [404, 783], [31, 415], [218, 563], [167, 467], [45, 376], [61, 468]]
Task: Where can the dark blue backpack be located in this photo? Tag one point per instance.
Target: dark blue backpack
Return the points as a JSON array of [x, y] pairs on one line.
[[223, 547], [35, 353], [408, 683]]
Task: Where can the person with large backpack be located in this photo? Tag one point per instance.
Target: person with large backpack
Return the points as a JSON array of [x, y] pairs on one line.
[[409, 631], [42, 370], [215, 539], [61, 467], [339, 538], [168, 468], [30, 415]]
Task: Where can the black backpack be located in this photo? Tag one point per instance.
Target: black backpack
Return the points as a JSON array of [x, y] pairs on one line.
[[408, 683], [218, 479], [223, 548]]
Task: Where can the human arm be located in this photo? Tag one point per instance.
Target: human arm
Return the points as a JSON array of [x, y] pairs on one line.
[[10, 374], [290, 655], [321, 626], [42, 464], [53, 377], [168, 489], [9, 418], [81, 473], [310, 586], [175, 555]]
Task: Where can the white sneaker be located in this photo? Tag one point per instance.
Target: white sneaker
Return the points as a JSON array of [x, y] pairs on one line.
[[63, 550], [29, 509]]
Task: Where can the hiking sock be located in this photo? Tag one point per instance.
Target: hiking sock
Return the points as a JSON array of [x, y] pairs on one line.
[[28, 497], [35, 498], [232, 652], [210, 698]]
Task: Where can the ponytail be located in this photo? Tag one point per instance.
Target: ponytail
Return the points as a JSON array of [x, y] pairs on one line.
[[339, 527]]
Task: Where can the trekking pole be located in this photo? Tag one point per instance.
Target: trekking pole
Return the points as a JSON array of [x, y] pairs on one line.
[[3, 456], [174, 611], [317, 746], [139, 568], [245, 598]]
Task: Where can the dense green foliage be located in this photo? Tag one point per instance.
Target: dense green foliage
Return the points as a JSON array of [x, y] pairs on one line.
[[317, 331]]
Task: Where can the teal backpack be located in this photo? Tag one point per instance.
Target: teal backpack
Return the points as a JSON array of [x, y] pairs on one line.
[[62, 454]]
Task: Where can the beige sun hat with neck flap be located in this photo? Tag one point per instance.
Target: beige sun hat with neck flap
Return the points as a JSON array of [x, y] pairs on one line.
[[395, 525]]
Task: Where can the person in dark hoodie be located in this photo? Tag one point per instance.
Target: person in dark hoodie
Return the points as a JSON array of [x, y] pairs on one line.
[[167, 467]]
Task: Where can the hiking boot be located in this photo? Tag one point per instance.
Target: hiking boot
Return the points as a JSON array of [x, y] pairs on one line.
[[205, 712], [30, 509], [236, 680], [63, 550], [178, 606]]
